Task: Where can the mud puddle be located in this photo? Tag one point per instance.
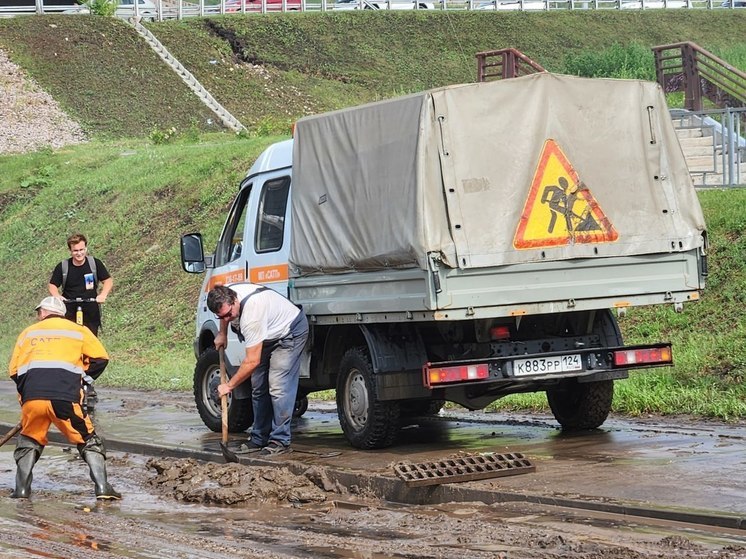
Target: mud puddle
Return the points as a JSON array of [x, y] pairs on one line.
[[184, 508]]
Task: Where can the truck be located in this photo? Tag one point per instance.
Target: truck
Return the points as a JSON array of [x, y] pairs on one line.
[[460, 245]]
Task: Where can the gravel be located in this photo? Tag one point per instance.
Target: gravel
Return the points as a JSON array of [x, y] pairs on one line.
[[30, 119]]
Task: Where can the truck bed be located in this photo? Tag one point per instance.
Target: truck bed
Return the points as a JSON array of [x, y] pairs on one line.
[[513, 290]]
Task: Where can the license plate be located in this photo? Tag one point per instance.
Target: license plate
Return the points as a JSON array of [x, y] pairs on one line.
[[547, 365]]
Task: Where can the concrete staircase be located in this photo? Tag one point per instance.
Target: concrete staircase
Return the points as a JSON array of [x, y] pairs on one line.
[[704, 156], [701, 157], [221, 112]]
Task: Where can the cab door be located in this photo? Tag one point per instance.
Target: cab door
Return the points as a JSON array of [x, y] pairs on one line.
[[255, 243], [229, 264], [268, 232]]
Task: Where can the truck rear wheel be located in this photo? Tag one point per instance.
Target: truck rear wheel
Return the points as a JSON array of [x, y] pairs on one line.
[[577, 405], [367, 422], [581, 406], [206, 380]]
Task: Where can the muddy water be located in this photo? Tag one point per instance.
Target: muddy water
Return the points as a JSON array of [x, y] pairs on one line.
[[164, 515], [178, 507]]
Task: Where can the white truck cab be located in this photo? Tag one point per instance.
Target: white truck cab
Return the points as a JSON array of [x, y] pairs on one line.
[[253, 246]]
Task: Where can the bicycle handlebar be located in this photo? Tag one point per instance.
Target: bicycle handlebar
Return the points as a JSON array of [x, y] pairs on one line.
[[81, 300]]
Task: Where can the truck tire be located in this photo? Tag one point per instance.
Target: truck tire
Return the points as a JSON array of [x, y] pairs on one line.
[[206, 380], [579, 406], [301, 405], [367, 422]]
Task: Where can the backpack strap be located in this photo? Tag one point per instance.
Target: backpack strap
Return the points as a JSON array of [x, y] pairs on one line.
[[92, 265], [237, 331], [64, 274], [65, 267]]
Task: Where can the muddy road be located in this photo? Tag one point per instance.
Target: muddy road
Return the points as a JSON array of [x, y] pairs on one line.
[[634, 489]]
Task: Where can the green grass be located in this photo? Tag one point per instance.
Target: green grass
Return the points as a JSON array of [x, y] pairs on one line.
[[136, 188], [134, 226], [271, 70]]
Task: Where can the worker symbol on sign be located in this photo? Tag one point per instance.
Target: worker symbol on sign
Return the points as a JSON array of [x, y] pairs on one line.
[[561, 201], [560, 209]]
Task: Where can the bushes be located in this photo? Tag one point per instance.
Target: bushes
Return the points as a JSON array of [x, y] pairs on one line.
[[102, 7], [633, 61]]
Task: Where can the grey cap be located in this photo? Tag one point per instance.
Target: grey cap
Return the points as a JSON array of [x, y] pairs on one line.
[[52, 305]]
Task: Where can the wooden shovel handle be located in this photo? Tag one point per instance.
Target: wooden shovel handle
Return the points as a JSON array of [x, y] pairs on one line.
[[10, 434], [223, 399]]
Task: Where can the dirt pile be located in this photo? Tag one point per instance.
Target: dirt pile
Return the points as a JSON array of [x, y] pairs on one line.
[[31, 119], [229, 484]]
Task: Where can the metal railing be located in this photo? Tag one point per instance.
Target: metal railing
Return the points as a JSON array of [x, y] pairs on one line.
[[158, 10], [699, 74], [504, 64], [721, 132]]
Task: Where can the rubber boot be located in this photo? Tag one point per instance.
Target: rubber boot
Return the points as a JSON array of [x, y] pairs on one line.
[[26, 454], [95, 456]]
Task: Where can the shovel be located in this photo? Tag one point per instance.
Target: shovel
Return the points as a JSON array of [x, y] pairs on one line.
[[10, 434], [228, 454]]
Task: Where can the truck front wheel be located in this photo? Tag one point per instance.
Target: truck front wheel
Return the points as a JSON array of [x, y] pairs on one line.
[[579, 406], [367, 422], [301, 406], [206, 380]]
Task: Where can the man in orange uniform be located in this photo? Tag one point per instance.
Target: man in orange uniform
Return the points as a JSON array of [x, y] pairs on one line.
[[48, 363]]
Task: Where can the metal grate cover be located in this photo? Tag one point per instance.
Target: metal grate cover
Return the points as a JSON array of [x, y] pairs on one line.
[[464, 468]]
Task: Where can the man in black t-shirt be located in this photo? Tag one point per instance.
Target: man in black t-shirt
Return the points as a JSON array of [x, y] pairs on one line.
[[81, 282], [78, 277]]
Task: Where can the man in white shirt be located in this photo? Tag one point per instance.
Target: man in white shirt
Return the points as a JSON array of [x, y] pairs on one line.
[[274, 332]]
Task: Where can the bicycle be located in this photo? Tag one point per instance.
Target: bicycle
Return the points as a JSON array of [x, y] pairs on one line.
[[90, 397]]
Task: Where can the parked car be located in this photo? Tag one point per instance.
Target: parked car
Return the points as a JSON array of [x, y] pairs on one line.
[[526, 5], [738, 4], [383, 5], [237, 6], [146, 9], [653, 4]]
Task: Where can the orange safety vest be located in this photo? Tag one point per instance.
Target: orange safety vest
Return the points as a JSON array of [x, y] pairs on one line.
[[50, 358]]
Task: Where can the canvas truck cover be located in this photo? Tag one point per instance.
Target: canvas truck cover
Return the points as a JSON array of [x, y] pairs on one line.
[[542, 167]]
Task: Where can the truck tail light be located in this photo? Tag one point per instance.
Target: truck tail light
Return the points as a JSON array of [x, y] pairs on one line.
[[500, 333], [460, 373], [654, 356]]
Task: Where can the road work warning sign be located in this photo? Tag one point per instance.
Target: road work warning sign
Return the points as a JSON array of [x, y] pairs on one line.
[[560, 209]]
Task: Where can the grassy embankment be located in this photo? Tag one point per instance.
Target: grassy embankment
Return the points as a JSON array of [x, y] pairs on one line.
[[134, 196]]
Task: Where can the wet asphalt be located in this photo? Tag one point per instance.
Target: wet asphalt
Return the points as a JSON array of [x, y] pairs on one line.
[[672, 470]]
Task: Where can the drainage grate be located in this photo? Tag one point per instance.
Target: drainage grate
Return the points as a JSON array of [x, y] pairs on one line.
[[465, 468]]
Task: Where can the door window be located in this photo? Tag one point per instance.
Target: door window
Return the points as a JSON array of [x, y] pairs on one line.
[[270, 227], [230, 247]]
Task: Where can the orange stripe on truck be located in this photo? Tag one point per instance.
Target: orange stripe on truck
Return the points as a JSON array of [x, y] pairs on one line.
[[260, 274], [225, 278], [269, 274]]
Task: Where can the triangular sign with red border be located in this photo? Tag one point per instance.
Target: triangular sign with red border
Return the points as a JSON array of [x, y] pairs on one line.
[[560, 209]]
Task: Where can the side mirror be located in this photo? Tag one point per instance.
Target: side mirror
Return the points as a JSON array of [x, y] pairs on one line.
[[192, 254]]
